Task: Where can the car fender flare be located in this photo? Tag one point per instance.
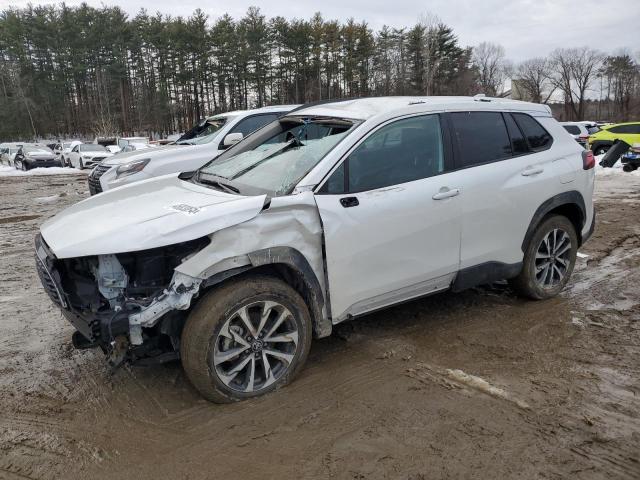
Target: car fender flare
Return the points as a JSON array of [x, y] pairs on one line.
[[296, 261], [572, 197]]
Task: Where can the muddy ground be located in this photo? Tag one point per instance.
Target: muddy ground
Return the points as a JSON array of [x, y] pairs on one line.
[[473, 385]]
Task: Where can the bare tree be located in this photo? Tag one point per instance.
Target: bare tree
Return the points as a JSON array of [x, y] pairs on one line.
[[429, 49], [492, 68], [574, 69], [533, 78]]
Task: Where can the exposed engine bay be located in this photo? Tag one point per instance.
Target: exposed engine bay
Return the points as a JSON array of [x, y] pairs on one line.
[[131, 305]]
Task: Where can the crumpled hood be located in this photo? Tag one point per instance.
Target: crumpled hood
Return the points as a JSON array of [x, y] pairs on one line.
[[156, 152], [153, 213]]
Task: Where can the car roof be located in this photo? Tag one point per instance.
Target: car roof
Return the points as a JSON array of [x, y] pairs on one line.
[[271, 109], [365, 108]]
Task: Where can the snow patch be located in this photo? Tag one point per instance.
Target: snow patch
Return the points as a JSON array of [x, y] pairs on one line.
[[615, 170], [48, 200], [483, 386], [6, 171]]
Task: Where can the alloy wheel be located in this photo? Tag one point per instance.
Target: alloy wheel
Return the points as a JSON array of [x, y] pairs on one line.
[[553, 258], [256, 346]]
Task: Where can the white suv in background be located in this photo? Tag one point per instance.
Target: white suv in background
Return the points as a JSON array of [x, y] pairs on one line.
[[331, 212], [578, 130], [221, 132]]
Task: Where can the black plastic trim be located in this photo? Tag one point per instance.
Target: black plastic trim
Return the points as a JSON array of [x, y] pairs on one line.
[[566, 198], [485, 273], [592, 227], [293, 258]]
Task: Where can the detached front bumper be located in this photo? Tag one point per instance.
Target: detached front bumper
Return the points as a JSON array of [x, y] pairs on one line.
[[93, 295], [98, 328]]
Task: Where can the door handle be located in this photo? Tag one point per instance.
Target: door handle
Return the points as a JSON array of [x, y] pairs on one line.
[[446, 192], [527, 172], [347, 202]]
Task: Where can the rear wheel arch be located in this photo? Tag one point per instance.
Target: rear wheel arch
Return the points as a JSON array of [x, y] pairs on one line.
[[568, 204], [601, 143], [290, 265]]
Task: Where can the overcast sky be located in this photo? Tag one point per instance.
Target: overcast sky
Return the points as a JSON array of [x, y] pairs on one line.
[[526, 28]]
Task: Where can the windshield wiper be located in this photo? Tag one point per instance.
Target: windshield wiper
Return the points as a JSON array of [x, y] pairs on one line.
[[218, 185]]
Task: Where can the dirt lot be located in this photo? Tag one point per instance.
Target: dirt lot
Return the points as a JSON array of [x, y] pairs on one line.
[[474, 385]]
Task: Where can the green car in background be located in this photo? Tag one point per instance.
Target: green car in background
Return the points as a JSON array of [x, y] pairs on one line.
[[600, 141]]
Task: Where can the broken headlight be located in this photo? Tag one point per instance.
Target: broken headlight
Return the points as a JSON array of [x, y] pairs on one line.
[[131, 167]]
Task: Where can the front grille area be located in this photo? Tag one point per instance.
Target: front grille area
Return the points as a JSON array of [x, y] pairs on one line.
[[48, 276], [94, 178], [48, 283]]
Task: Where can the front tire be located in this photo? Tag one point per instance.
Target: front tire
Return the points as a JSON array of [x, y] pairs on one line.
[[548, 260], [246, 338]]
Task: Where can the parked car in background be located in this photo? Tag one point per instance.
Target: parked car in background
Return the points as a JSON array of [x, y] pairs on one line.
[[592, 127], [631, 159], [330, 212], [602, 140], [8, 152], [87, 155], [35, 156], [578, 131], [124, 142], [133, 147], [63, 149], [220, 133], [113, 149]]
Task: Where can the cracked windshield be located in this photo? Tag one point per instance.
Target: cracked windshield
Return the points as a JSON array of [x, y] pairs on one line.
[[279, 163]]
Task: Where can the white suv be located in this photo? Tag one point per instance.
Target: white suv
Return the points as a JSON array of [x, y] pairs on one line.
[[330, 212], [221, 132]]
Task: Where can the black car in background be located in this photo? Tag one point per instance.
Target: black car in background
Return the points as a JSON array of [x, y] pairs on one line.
[[35, 156]]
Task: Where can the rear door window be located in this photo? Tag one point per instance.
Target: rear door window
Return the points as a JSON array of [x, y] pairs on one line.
[[481, 137], [537, 137]]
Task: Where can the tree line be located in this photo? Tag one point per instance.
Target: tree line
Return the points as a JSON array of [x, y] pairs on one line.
[[95, 71]]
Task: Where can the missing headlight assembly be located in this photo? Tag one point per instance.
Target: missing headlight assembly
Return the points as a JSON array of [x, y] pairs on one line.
[[128, 304]]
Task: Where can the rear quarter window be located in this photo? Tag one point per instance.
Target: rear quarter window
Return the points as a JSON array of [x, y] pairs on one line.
[[537, 137], [572, 129]]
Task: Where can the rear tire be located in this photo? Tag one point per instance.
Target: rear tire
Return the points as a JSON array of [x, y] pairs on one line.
[[266, 359], [548, 260], [600, 150]]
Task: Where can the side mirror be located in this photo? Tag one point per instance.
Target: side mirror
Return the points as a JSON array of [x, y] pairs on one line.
[[232, 139]]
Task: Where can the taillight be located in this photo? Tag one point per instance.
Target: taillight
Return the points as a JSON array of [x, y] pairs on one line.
[[588, 160]]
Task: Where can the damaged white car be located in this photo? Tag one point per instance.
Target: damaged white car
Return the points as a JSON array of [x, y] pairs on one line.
[[330, 212]]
